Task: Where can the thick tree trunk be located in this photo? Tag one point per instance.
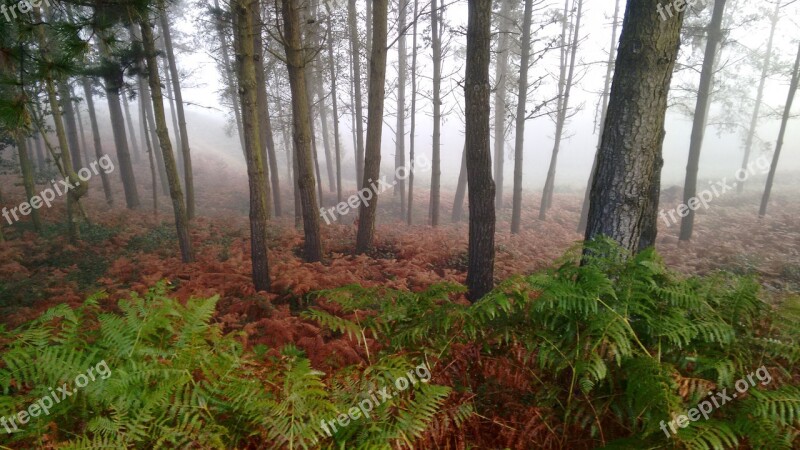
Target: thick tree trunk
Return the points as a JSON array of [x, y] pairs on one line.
[[522, 100], [98, 144], [413, 113], [184, 134], [267, 140], [436, 158], [296, 65], [626, 185], [549, 185], [355, 51], [247, 22], [779, 146], [176, 194], [377, 94], [461, 189], [748, 146], [612, 51], [400, 136], [504, 24], [701, 115], [335, 104], [477, 92]]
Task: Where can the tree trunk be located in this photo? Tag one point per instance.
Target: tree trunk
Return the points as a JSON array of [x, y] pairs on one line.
[[612, 50], [504, 23], [98, 145], [400, 137], [377, 96], [779, 146], [151, 158], [296, 65], [79, 120], [522, 100], [247, 23], [413, 113], [172, 108], [178, 205], [760, 96], [135, 150], [228, 70], [436, 156], [549, 185], [71, 124], [701, 115], [477, 92], [626, 185], [461, 189], [355, 51], [335, 102], [27, 179], [41, 160], [184, 140], [267, 140]]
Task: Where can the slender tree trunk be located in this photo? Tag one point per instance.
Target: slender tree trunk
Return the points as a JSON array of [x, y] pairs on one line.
[[522, 100], [461, 189], [400, 139], [701, 115], [549, 186], [413, 113], [372, 163], [41, 160], [79, 120], [436, 159], [184, 134], [151, 158], [230, 83], [176, 194], [779, 146], [504, 23], [355, 51], [98, 145], [247, 24], [626, 185], [267, 140], [748, 146], [71, 124], [603, 110], [335, 102], [314, 152], [28, 180], [477, 92], [135, 149], [172, 108], [296, 65]]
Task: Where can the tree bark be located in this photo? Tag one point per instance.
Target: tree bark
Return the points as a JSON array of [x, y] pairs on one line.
[[477, 92], [779, 146], [626, 186], [748, 146], [400, 136], [461, 189], [504, 23], [377, 94], [355, 51], [612, 50], [98, 144], [436, 156], [184, 134], [176, 194], [247, 21], [522, 100], [701, 115], [296, 65]]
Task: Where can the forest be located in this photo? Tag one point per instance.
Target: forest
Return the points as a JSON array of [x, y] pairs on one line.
[[399, 224]]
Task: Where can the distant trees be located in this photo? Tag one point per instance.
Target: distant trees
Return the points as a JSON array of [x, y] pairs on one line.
[[626, 186]]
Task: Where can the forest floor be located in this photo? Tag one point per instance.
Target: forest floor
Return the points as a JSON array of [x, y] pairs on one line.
[[125, 250]]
